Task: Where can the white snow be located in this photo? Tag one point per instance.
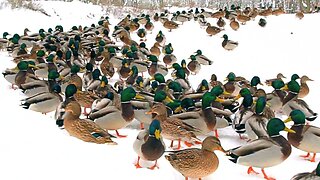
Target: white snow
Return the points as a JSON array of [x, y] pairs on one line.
[[33, 147]]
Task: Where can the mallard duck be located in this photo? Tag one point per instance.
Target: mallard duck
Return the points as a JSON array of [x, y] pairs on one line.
[[134, 25], [161, 38], [212, 30], [276, 97], [218, 14], [197, 163], [232, 87], [265, 151], [149, 144], [74, 78], [142, 34], [169, 58], [25, 74], [4, 40], [308, 175], [306, 137], [84, 129], [243, 18], [87, 75], [85, 99], [156, 17], [203, 86], [180, 77], [255, 81], [170, 25], [202, 59], [234, 24], [304, 90], [94, 83], [221, 23], [180, 17], [202, 21], [113, 118], [299, 14], [173, 128], [132, 76], [291, 102], [155, 50], [266, 12], [194, 66], [280, 76], [149, 25], [228, 44], [262, 22], [155, 67], [214, 81], [44, 102], [124, 71]]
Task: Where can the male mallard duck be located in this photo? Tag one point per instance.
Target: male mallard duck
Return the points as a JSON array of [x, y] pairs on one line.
[[299, 15], [291, 102], [202, 21], [221, 23], [212, 30], [155, 67], [304, 90], [308, 175], [255, 81], [142, 34], [44, 102], [194, 66], [149, 25], [180, 77], [197, 163], [169, 58], [234, 24], [173, 128], [87, 75], [232, 87], [113, 118], [306, 137], [202, 59], [132, 76], [161, 38], [265, 151], [84, 129], [228, 44], [25, 74], [180, 17], [149, 144], [203, 86], [4, 41], [280, 76], [124, 71], [170, 25], [276, 97]]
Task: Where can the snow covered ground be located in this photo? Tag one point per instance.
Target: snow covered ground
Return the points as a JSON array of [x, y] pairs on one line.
[[32, 147]]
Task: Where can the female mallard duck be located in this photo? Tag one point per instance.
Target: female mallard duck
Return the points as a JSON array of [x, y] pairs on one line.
[[278, 11], [266, 12], [265, 151], [74, 78], [85, 99], [291, 102], [84, 129], [228, 44], [221, 23], [149, 144], [194, 66], [202, 59], [243, 18], [170, 25], [280, 76], [161, 39], [218, 14], [197, 163], [214, 81], [306, 137], [44, 102], [87, 75], [308, 175], [234, 24], [124, 71], [149, 25], [299, 15], [173, 128], [212, 30], [134, 25], [113, 118], [304, 90], [155, 50]]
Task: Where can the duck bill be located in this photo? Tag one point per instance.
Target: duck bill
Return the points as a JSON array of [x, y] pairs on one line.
[[103, 84], [168, 100], [289, 130], [238, 97], [219, 100], [222, 150], [285, 88], [261, 83], [138, 96], [178, 109], [289, 119], [33, 66], [203, 88], [157, 134], [149, 112], [141, 84], [130, 73]]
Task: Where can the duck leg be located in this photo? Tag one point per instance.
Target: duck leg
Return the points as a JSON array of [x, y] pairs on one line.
[[141, 126], [137, 164], [266, 176], [305, 156], [171, 145], [154, 166], [120, 136], [188, 144], [250, 170], [313, 159], [216, 133], [85, 111]]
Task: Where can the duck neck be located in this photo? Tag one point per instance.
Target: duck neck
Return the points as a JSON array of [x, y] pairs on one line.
[[127, 111], [285, 146], [290, 96], [209, 118]]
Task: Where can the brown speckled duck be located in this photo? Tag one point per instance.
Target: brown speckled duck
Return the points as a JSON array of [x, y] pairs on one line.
[[197, 163], [84, 129]]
